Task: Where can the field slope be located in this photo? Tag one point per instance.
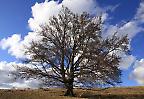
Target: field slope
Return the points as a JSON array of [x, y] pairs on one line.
[[110, 93]]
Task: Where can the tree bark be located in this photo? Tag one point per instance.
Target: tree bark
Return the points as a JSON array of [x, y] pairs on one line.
[[69, 87]]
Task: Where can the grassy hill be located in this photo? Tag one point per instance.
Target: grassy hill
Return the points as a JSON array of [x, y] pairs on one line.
[[110, 93]]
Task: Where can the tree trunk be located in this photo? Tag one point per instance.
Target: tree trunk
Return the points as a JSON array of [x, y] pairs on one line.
[[69, 92], [69, 87]]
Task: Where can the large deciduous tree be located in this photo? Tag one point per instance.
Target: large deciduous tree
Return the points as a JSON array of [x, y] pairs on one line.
[[72, 51]]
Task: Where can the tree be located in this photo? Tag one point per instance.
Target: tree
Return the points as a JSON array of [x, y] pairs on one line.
[[72, 51]]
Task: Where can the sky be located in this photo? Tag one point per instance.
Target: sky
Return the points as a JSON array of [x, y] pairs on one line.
[[19, 19]]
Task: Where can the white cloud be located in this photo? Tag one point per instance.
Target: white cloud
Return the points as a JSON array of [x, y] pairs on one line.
[[31, 83], [109, 30], [138, 72], [7, 80], [140, 13], [10, 41], [13, 45], [127, 61], [4, 66], [16, 45], [41, 12], [132, 28]]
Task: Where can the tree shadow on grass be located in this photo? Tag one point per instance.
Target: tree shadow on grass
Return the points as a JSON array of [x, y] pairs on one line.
[[114, 96]]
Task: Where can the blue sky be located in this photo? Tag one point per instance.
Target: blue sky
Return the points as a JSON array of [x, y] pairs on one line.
[[15, 14]]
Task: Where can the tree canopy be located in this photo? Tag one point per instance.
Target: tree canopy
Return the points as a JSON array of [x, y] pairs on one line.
[[73, 52]]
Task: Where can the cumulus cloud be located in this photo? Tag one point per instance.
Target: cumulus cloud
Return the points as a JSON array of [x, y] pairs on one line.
[[132, 27], [13, 45], [127, 61], [138, 72], [41, 12], [140, 13], [8, 81], [16, 45], [31, 83]]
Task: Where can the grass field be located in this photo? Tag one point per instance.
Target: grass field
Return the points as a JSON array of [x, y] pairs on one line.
[[110, 93]]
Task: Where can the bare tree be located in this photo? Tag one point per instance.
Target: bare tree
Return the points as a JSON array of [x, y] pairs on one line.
[[72, 51]]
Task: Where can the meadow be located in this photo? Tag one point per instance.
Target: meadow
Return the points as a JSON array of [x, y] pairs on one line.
[[58, 93]]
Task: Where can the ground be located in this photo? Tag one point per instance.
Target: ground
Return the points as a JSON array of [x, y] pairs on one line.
[[110, 93]]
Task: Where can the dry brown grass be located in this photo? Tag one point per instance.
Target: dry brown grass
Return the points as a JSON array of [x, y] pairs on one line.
[[110, 93]]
